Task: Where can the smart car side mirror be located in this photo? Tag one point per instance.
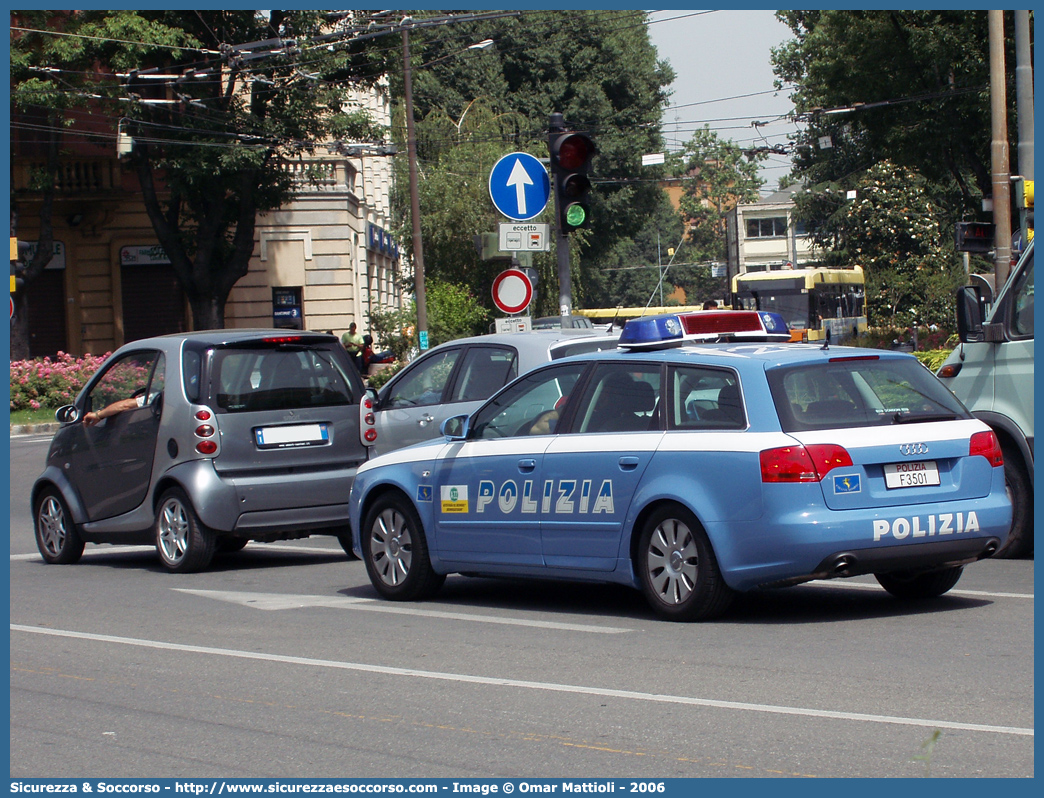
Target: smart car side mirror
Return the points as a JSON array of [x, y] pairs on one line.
[[66, 414], [157, 404], [455, 428]]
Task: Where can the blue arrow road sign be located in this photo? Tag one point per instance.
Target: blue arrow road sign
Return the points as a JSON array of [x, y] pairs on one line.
[[519, 186]]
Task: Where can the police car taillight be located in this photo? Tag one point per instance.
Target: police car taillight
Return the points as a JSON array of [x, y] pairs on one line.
[[655, 332], [986, 445], [802, 463]]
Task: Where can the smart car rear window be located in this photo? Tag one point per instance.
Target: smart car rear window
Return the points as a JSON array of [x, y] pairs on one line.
[[860, 392], [250, 380]]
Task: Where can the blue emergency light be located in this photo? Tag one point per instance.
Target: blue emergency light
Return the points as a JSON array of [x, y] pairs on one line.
[[710, 326]]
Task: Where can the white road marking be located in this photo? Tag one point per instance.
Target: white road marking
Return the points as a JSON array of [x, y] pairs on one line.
[[874, 586], [287, 601], [255, 547], [528, 685]]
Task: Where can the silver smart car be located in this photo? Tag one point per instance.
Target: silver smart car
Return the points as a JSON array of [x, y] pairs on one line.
[[238, 435]]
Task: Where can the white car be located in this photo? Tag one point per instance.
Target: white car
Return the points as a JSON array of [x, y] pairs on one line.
[[457, 376]]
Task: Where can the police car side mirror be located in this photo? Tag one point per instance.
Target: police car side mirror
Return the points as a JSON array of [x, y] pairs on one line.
[[455, 428], [67, 414]]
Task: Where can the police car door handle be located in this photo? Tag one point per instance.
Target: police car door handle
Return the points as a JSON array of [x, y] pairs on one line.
[[526, 465], [426, 419], [628, 463]]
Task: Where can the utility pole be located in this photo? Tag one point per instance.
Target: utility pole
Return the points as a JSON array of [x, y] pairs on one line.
[[411, 154], [999, 164]]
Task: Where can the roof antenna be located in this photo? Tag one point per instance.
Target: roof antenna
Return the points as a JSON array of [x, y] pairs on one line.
[[826, 341]]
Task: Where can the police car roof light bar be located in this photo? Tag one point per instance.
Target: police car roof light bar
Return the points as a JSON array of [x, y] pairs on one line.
[[657, 332]]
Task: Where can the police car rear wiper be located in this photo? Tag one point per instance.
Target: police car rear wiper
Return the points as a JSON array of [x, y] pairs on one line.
[[912, 418]]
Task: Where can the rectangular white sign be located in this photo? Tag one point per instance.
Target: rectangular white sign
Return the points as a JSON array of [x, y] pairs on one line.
[[652, 159], [514, 324], [525, 237]]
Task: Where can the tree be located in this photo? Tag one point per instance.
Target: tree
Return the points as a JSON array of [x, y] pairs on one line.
[[207, 165], [596, 67], [917, 84], [892, 230], [719, 176]]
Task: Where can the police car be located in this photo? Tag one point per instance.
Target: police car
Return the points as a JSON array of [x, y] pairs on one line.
[[699, 459]]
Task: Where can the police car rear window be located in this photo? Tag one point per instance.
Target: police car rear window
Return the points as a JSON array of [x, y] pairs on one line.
[[860, 392]]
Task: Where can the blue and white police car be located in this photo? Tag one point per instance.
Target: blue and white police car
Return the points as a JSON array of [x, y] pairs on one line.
[[702, 457]]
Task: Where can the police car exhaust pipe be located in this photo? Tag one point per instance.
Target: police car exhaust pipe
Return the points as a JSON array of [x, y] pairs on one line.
[[842, 565]]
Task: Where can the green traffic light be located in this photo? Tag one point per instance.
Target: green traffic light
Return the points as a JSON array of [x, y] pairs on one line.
[[575, 215]]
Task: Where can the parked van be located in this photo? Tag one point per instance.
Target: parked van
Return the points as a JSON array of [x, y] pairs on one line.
[[991, 371]]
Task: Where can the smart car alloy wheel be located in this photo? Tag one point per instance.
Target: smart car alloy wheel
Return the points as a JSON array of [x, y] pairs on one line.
[[56, 536], [183, 542]]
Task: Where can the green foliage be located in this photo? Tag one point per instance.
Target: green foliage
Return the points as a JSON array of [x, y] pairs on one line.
[[926, 71], [221, 154], [719, 176], [892, 231], [453, 312], [596, 67]]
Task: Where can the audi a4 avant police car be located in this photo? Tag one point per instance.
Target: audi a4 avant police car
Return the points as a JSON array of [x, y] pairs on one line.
[[699, 459], [239, 435]]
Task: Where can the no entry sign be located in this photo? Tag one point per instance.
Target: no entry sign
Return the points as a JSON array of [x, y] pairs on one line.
[[512, 291]]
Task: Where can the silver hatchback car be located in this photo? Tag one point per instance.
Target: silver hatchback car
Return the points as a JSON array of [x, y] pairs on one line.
[[456, 377], [229, 436]]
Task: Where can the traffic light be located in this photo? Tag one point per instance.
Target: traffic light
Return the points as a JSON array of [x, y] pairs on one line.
[[975, 236], [1024, 202], [571, 154]]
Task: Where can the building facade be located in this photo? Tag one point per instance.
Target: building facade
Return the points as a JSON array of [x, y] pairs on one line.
[[320, 263], [764, 236]]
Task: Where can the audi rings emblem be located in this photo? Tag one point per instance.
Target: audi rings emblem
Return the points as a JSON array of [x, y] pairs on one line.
[[912, 449]]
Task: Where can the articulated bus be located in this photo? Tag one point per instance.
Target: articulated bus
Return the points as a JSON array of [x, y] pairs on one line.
[[811, 300]]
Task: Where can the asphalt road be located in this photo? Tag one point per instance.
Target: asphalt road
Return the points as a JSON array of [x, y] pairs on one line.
[[281, 662]]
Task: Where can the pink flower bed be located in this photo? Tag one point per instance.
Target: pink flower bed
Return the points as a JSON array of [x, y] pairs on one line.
[[43, 382]]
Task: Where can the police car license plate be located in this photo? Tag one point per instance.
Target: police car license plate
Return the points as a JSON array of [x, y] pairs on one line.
[[292, 435], [911, 475]]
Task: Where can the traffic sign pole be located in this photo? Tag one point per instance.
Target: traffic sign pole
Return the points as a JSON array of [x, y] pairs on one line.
[[565, 301]]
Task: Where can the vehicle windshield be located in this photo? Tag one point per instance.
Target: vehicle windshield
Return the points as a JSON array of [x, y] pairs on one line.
[[863, 391]]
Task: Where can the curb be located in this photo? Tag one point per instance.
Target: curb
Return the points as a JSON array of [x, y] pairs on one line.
[[34, 429]]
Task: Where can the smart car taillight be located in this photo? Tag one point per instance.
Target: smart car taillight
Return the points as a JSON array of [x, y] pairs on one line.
[[367, 420], [986, 445], [802, 463], [206, 433]]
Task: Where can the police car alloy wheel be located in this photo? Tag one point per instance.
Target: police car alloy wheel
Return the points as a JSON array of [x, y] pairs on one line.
[[906, 585], [183, 542], [396, 552], [56, 537], [679, 573]]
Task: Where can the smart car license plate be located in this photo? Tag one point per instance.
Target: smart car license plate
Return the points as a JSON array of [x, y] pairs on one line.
[[911, 475], [286, 436]]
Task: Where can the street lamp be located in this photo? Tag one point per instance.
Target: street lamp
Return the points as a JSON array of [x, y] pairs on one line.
[[411, 154]]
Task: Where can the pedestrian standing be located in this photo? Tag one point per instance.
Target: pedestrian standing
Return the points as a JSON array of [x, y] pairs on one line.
[[353, 343]]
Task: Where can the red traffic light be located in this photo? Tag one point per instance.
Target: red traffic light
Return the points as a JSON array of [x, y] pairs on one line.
[[573, 151]]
